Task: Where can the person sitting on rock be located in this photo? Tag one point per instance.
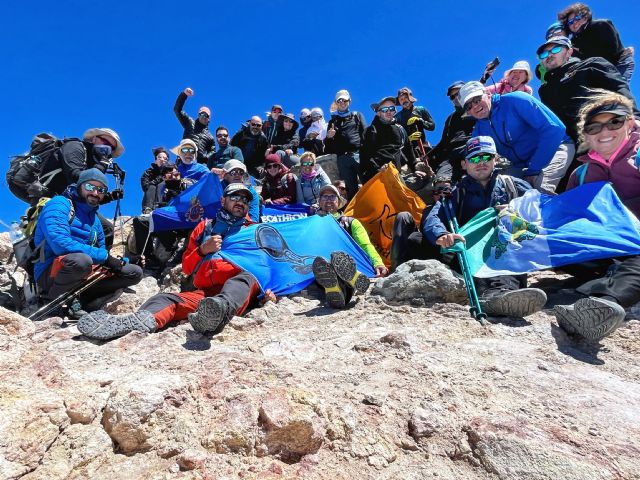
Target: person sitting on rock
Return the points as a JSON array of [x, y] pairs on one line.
[[330, 202], [312, 179], [223, 290], [196, 130], [234, 171], [481, 188], [72, 240], [189, 169], [279, 184]]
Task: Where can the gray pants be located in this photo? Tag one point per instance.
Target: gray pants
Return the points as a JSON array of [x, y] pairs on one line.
[[348, 167], [548, 180]]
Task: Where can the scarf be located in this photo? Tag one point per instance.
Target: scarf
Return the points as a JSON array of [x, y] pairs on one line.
[[309, 176], [346, 113], [227, 224]]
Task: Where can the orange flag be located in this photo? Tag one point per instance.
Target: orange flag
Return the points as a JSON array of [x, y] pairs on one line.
[[377, 204]]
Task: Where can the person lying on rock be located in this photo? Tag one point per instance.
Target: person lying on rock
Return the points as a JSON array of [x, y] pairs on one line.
[[481, 188], [223, 290]]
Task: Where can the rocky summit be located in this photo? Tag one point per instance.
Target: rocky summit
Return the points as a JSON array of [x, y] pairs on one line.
[[402, 385]]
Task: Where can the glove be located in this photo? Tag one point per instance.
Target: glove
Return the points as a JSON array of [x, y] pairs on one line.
[[113, 263], [117, 194], [102, 165], [417, 120], [415, 136]]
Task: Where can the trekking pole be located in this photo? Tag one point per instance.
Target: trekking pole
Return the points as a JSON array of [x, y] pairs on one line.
[[475, 310], [68, 296]]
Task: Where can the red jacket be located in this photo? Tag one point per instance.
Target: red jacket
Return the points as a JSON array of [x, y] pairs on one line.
[[211, 274]]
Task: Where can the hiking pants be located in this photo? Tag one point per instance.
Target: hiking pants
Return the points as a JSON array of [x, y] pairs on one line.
[[408, 243], [70, 271], [548, 180], [150, 197], [239, 292], [616, 278], [626, 65], [348, 167]]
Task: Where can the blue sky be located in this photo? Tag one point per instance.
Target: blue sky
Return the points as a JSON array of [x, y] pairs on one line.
[[82, 64]]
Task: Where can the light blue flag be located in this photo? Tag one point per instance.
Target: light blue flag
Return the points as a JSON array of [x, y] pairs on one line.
[[283, 213], [280, 255], [201, 200], [540, 231]]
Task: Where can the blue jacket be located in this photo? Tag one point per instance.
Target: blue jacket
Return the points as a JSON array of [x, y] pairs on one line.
[[473, 198], [526, 131], [254, 206], [193, 171], [83, 235]]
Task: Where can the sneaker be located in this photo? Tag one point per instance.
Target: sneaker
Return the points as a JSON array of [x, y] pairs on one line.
[[592, 318], [212, 315], [327, 278], [345, 267], [515, 303], [105, 326]]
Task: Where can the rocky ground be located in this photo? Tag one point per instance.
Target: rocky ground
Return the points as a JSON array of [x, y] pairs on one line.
[[400, 386]]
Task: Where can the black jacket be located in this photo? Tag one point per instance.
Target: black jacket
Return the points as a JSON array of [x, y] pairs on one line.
[[457, 130], [151, 176], [598, 38], [349, 133], [72, 158], [426, 123], [253, 148], [285, 139], [194, 130], [384, 143], [567, 88]]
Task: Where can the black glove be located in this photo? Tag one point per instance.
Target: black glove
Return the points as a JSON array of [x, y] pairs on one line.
[[114, 264], [117, 194]]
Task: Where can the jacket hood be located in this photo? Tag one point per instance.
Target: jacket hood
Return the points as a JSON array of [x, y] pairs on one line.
[[71, 192]]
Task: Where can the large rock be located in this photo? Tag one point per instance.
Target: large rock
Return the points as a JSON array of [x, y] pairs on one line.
[[422, 281]]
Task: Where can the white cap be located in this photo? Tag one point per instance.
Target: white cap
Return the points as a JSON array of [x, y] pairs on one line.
[[470, 90], [233, 164]]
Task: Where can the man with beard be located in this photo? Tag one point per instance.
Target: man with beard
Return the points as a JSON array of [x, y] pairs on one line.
[[196, 130], [225, 152], [253, 144]]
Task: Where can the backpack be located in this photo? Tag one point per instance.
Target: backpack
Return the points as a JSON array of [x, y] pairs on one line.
[[24, 177]]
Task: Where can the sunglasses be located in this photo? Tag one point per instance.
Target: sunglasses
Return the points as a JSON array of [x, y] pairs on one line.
[[258, 125], [330, 198], [555, 50], [236, 172], [307, 164], [273, 166], [277, 110], [453, 97], [89, 187], [204, 114], [187, 150], [575, 19], [441, 190], [472, 103], [615, 123], [480, 158], [342, 100], [172, 174], [239, 198], [107, 140], [392, 108], [222, 135]]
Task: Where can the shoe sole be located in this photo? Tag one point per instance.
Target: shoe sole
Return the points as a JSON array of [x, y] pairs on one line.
[[326, 276], [101, 325], [208, 317], [590, 318], [347, 270], [518, 303]]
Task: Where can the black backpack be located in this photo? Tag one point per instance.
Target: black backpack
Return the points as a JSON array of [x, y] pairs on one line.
[[24, 177]]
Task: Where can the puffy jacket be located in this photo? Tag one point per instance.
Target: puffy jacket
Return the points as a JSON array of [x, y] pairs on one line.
[[223, 155], [525, 131], [457, 130], [209, 272], [194, 130], [253, 148], [568, 87], [83, 234], [384, 143], [469, 197], [598, 38], [281, 189], [286, 139], [349, 133], [622, 170], [151, 176], [403, 116], [308, 191]]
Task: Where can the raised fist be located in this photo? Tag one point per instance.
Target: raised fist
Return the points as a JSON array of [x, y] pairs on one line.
[[188, 92]]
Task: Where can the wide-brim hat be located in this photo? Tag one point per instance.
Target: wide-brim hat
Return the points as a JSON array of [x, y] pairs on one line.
[[95, 132], [405, 91], [184, 142], [375, 106], [520, 65], [342, 202]]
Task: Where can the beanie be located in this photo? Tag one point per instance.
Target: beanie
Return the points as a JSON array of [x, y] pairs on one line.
[[92, 174]]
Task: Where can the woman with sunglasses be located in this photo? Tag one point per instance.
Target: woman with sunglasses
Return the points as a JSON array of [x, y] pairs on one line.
[[611, 136], [312, 179], [279, 184], [596, 38]]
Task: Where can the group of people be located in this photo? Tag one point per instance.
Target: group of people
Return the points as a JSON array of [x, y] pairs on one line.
[[499, 142]]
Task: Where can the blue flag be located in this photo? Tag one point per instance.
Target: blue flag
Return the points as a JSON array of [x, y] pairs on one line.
[[280, 255], [283, 213], [201, 200]]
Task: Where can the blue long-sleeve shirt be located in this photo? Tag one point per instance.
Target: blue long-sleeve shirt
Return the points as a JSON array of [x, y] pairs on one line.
[[525, 130]]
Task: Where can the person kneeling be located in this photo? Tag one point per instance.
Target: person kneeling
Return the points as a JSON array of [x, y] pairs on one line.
[[223, 290]]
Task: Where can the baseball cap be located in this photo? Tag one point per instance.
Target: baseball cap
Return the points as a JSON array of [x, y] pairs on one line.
[[480, 144], [234, 188]]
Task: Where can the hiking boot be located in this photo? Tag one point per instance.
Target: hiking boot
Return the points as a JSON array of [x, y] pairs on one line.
[[75, 311], [327, 278], [212, 315], [345, 267], [592, 318], [514, 303], [105, 326]]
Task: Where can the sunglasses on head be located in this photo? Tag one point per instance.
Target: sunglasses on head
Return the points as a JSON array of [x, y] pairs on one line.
[[615, 123], [392, 108], [187, 150], [239, 198], [485, 157], [555, 50], [472, 103], [575, 19], [331, 197], [236, 171], [89, 187], [307, 164]]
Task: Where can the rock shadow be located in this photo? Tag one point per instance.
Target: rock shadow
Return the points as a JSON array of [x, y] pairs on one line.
[[508, 321], [578, 349], [197, 342]]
